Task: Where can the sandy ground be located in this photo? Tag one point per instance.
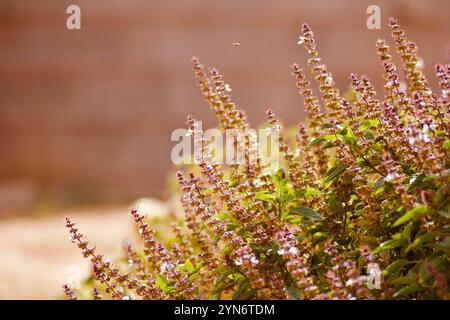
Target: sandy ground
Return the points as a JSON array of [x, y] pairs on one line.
[[36, 256]]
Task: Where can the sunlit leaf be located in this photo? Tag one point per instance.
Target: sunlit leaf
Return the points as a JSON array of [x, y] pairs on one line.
[[411, 214], [393, 243], [335, 172]]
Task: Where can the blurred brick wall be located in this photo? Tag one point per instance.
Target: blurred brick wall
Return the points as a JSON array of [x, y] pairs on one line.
[[90, 112]]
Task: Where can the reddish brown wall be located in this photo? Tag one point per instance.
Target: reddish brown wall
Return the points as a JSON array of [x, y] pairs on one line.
[[91, 111]]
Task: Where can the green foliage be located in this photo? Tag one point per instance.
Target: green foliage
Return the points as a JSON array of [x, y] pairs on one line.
[[306, 212]]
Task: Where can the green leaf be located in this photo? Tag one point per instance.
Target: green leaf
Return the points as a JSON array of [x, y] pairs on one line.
[[224, 275], [396, 266], [421, 239], [266, 197], [439, 197], [368, 135], [162, 282], [311, 192], [280, 182], [239, 293], [335, 172], [406, 234], [306, 212], [223, 216], [187, 266], [351, 141], [411, 214], [393, 243], [369, 123], [328, 137], [199, 266], [327, 125], [234, 184], [329, 145], [193, 277], [406, 291], [404, 280], [446, 144], [430, 177]]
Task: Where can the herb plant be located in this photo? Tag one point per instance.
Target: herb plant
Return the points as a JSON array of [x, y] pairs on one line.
[[358, 209]]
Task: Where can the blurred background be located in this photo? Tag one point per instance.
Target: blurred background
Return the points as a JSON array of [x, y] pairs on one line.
[[86, 115]]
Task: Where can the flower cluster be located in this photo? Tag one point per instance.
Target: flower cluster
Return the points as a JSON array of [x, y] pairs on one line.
[[357, 209]]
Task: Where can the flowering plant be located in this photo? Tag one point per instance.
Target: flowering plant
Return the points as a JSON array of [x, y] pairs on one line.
[[358, 208]]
